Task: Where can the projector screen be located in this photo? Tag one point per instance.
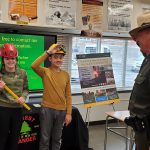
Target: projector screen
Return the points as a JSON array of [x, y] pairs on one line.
[[29, 48]]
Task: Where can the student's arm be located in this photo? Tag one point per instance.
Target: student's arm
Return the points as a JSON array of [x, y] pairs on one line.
[[36, 64], [68, 103], [68, 97]]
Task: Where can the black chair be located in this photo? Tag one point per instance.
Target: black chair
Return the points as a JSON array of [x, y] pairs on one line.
[[75, 136]]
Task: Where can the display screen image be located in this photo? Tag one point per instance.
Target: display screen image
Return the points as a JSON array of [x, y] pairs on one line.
[[29, 48]]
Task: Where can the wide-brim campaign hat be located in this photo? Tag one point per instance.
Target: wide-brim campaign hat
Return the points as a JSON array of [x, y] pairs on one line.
[[143, 22]]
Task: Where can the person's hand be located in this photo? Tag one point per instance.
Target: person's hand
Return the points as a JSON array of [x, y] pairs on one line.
[[53, 48], [21, 100], [2, 84], [68, 119]]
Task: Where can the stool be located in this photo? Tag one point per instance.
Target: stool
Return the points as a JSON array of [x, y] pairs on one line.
[[119, 116]]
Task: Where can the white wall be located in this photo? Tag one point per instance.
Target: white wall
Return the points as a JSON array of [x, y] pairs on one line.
[[40, 14], [137, 9]]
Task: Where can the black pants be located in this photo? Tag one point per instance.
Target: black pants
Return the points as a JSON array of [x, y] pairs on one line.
[[141, 141], [10, 125]]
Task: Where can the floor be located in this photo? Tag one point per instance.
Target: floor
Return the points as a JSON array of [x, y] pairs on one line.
[[96, 139]]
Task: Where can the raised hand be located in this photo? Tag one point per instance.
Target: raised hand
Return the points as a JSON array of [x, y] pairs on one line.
[[53, 48]]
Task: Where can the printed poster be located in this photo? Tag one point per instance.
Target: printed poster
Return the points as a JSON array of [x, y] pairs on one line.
[[119, 15], [60, 13], [23, 12], [97, 79], [92, 12]]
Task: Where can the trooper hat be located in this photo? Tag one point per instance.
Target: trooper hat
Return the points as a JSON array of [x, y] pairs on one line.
[[143, 22]]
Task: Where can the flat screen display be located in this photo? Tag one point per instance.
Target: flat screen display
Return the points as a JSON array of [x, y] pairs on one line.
[[29, 48]]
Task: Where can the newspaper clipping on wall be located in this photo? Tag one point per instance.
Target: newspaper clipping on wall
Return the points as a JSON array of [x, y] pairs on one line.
[[60, 13], [119, 15], [97, 79]]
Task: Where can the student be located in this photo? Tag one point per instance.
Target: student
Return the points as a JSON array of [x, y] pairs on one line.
[[57, 103], [10, 109], [139, 104]]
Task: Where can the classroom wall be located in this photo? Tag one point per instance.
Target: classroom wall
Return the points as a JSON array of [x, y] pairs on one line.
[[137, 9], [40, 13], [98, 112]]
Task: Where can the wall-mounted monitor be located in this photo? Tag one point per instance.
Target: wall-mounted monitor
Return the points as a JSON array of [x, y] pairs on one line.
[[30, 47]]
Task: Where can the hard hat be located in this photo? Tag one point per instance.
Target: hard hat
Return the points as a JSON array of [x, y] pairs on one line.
[[9, 51], [61, 50]]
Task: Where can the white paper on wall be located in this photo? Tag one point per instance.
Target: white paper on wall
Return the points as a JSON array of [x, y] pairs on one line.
[[0, 12], [119, 15], [60, 13]]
